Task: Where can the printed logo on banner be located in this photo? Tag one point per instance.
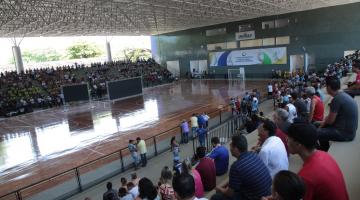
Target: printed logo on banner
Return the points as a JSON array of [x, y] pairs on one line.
[[269, 56], [246, 35]]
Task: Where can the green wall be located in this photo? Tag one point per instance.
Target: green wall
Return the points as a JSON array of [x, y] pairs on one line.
[[325, 33]]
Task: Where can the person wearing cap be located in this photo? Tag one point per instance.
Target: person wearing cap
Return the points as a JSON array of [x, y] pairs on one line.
[[317, 107], [342, 121], [320, 172], [354, 87]]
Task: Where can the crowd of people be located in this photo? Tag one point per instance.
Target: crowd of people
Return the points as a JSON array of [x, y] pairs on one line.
[[41, 88], [298, 126]]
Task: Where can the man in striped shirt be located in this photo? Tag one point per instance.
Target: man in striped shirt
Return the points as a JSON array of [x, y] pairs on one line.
[[249, 179]]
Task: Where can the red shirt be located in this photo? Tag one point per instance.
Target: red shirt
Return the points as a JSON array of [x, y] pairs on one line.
[[319, 109], [207, 171], [323, 178], [279, 133], [358, 78]]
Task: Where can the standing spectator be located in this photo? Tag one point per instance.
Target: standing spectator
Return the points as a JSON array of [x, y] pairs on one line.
[[249, 178], [220, 155], [287, 186], [272, 150], [254, 105], [142, 148], [201, 121], [124, 194], [166, 191], [282, 125], [175, 149], [184, 132], [133, 151], [270, 90], [188, 169], [201, 132], [147, 190], [206, 169], [316, 113], [206, 119], [110, 194], [194, 125], [184, 186], [342, 121], [320, 172]]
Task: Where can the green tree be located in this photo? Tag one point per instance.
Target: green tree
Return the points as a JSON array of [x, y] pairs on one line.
[[41, 55], [83, 50], [135, 54]]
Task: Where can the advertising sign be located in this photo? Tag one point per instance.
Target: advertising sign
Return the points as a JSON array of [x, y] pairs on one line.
[[246, 35], [267, 56]]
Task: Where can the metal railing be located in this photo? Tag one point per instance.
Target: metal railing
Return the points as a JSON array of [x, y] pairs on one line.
[[84, 176]]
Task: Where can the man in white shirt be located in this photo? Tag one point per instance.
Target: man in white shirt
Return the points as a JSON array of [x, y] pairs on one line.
[[271, 149], [133, 189], [194, 125], [292, 112], [270, 90], [141, 145]]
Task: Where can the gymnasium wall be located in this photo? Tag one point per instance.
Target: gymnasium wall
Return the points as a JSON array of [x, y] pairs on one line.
[[325, 33]]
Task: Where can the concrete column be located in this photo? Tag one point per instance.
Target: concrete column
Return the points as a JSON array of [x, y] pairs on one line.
[[108, 51], [18, 59]]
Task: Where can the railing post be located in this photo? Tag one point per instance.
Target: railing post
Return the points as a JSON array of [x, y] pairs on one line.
[[122, 161], [18, 195], [156, 152], [220, 116], [78, 179]]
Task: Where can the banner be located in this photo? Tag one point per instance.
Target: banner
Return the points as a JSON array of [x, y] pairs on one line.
[[246, 35], [249, 57]]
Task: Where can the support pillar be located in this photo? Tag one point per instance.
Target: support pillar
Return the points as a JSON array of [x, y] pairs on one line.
[[18, 59], [108, 51]]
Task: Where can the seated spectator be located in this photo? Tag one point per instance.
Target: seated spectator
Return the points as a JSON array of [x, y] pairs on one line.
[[300, 106], [248, 178], [135, 179], [354, 87], [317, 107], [206, 169], [342, 121], [220, 155], [188, 169], [165, 189], [252, 124], [133, 189], [184, 186], [320, 172], [147, 190], [124, 195], [287, 186], [280, 118], [123, 182], [110, 194], [292, 112], [271, 149]]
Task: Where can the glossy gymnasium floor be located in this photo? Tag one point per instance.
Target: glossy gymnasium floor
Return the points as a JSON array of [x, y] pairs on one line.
[[38, 145]]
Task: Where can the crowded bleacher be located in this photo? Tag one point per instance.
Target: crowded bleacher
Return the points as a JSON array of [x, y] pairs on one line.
[[41, 88], [298, 126]]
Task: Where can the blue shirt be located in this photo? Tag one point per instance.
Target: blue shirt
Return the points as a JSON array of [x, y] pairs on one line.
[[249, 177], [201, 133], [221, 157], [201, 121]]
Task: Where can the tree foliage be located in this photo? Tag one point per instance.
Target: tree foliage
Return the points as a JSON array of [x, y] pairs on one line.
[[41, 55], [83, 50], [136, 54]]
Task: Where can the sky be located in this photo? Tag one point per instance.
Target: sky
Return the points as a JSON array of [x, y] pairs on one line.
[[61, 43]]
